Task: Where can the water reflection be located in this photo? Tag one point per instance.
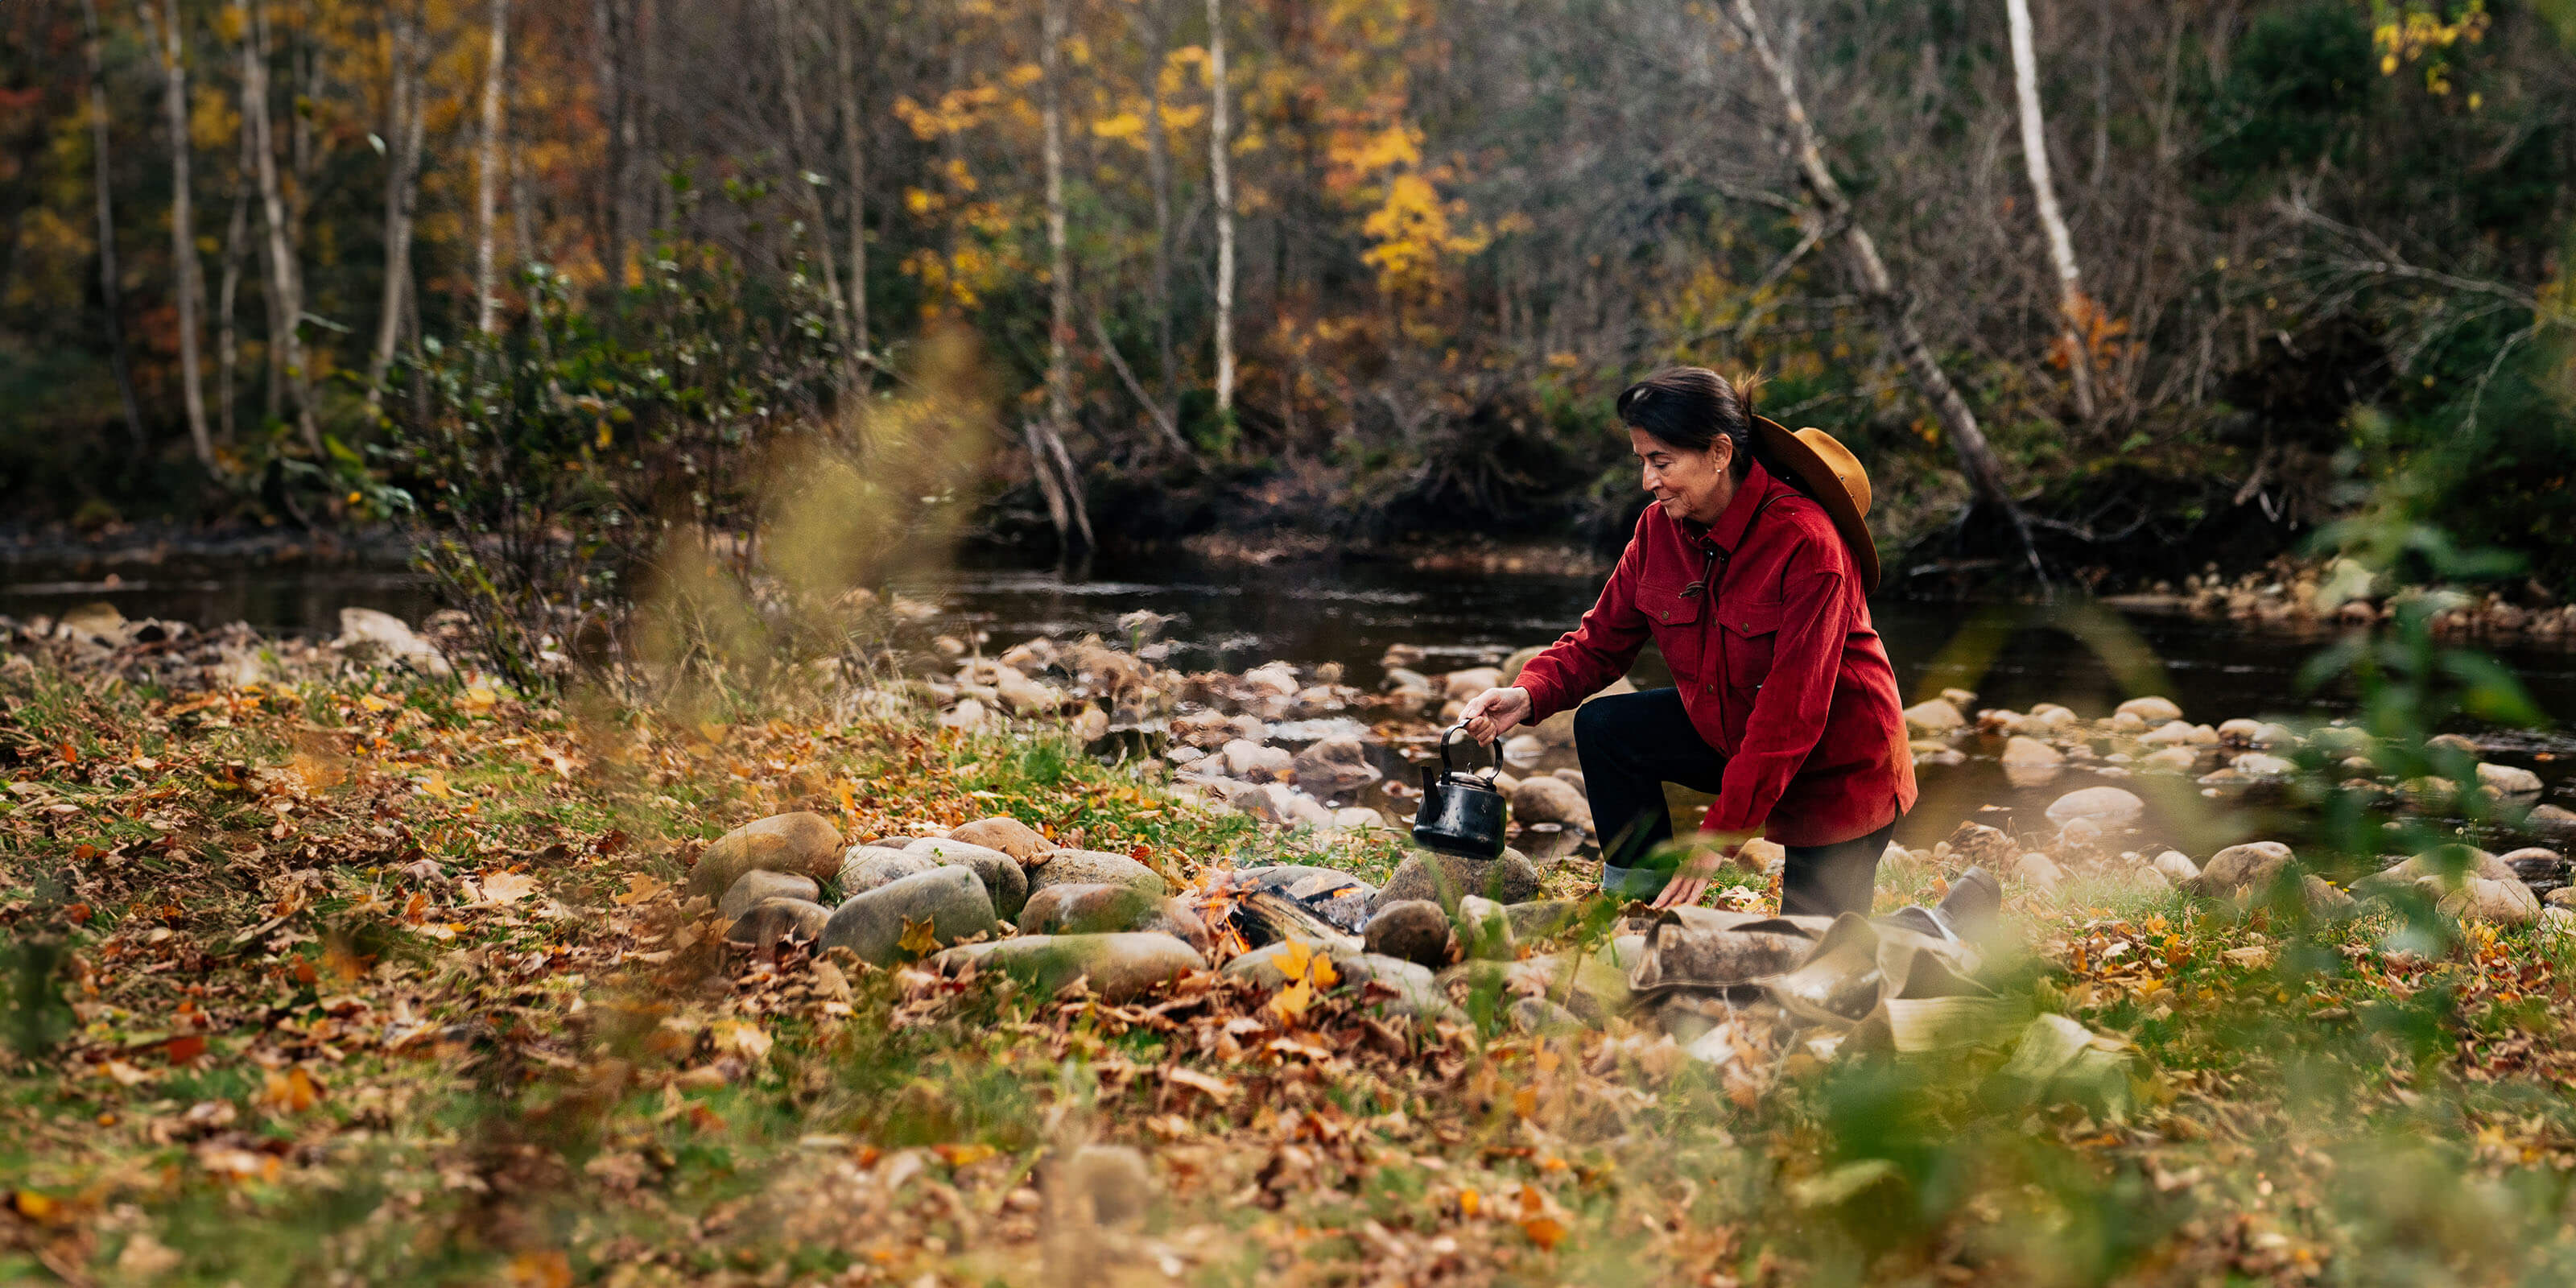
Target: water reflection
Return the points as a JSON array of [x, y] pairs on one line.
[[2085, 656]]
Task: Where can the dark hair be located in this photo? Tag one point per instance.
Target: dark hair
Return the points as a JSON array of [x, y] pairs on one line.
[[1692, 408]]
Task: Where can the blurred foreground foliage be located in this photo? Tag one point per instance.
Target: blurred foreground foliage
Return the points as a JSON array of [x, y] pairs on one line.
[[394, 979]]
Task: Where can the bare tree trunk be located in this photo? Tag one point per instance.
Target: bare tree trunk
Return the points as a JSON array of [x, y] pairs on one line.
[[487, 167], [109, 295], [2074, 310], [1158, 169], [1977, 461], [1221, 178], [189, 284], [402, 182], [854, 146], [227, 335], [1059, 377], [800, 160], [608, 54], [284, 273], [1127, 376]]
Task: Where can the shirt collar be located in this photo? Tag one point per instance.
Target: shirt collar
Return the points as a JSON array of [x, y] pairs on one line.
[[1751, 491]]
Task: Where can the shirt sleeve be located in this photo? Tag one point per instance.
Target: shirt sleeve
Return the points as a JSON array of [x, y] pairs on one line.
[[1598, 650], [1789, 711]]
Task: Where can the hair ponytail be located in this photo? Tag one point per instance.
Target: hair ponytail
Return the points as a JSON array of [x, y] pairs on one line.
[[1693, 407]]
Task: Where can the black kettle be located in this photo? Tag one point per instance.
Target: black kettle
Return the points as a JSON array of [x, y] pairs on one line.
[[1461, 814]]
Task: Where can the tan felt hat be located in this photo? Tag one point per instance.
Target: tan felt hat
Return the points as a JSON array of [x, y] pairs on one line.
[[1827, 471]]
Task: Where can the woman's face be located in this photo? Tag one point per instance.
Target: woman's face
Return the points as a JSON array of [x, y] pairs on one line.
[[1688, 484]]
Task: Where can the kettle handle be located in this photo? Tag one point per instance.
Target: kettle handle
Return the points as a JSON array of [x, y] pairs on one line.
[[1491, 772]]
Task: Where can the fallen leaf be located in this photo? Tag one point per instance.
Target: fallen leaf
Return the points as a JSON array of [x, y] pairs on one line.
[[1215, 1088], [237, 1164], [920, 938], [1545, 1231], [508, 887], [742, 1038], [963, 1155], [639, 887], [291, 1092], [145, 1257], [540, 1268], [1291, 1002]]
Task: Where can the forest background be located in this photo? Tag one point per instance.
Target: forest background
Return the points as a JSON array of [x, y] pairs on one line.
[[2173, 281]]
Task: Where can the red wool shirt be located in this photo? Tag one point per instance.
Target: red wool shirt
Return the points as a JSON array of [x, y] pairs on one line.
[[1763, 619]]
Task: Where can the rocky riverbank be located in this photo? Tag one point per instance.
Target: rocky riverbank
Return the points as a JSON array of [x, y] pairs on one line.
[[968, 964], [2313, 596]]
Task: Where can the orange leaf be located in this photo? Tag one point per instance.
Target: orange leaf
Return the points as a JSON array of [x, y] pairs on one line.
[[541, 1268], [1291, 1002], [293, 1091], [963, 1155], [182, 1049], [1545, 1231]]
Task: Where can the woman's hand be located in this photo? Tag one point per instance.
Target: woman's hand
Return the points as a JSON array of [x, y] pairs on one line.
[[1709, 851], [1495, 712]]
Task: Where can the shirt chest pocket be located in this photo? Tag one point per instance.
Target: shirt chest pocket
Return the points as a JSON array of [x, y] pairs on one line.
[[1673, 605], [1674, 613], [1751, 630]]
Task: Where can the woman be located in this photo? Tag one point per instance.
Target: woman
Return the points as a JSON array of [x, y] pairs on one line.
[[1751, 571]]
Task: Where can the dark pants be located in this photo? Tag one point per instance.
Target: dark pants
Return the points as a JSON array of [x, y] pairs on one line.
[[1634, 743]]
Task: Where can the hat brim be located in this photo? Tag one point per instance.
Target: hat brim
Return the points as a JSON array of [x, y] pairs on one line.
[[1819, 481]]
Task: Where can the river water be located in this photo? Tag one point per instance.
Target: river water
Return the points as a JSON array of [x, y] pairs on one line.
[[1230, 617]]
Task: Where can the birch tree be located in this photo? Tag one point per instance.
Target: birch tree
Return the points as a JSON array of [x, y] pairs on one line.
[[227, 335], [404, 114], [285, 272], [188, 287], [109, 296], [487, 166], [1059, 373], [854, 147], [1879, 291], [1221, 180], [1155, 27], [2073, 308]]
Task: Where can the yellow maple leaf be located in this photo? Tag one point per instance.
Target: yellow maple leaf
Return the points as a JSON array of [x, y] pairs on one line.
[[1291, 1002], [436, 785], [919, 937]]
